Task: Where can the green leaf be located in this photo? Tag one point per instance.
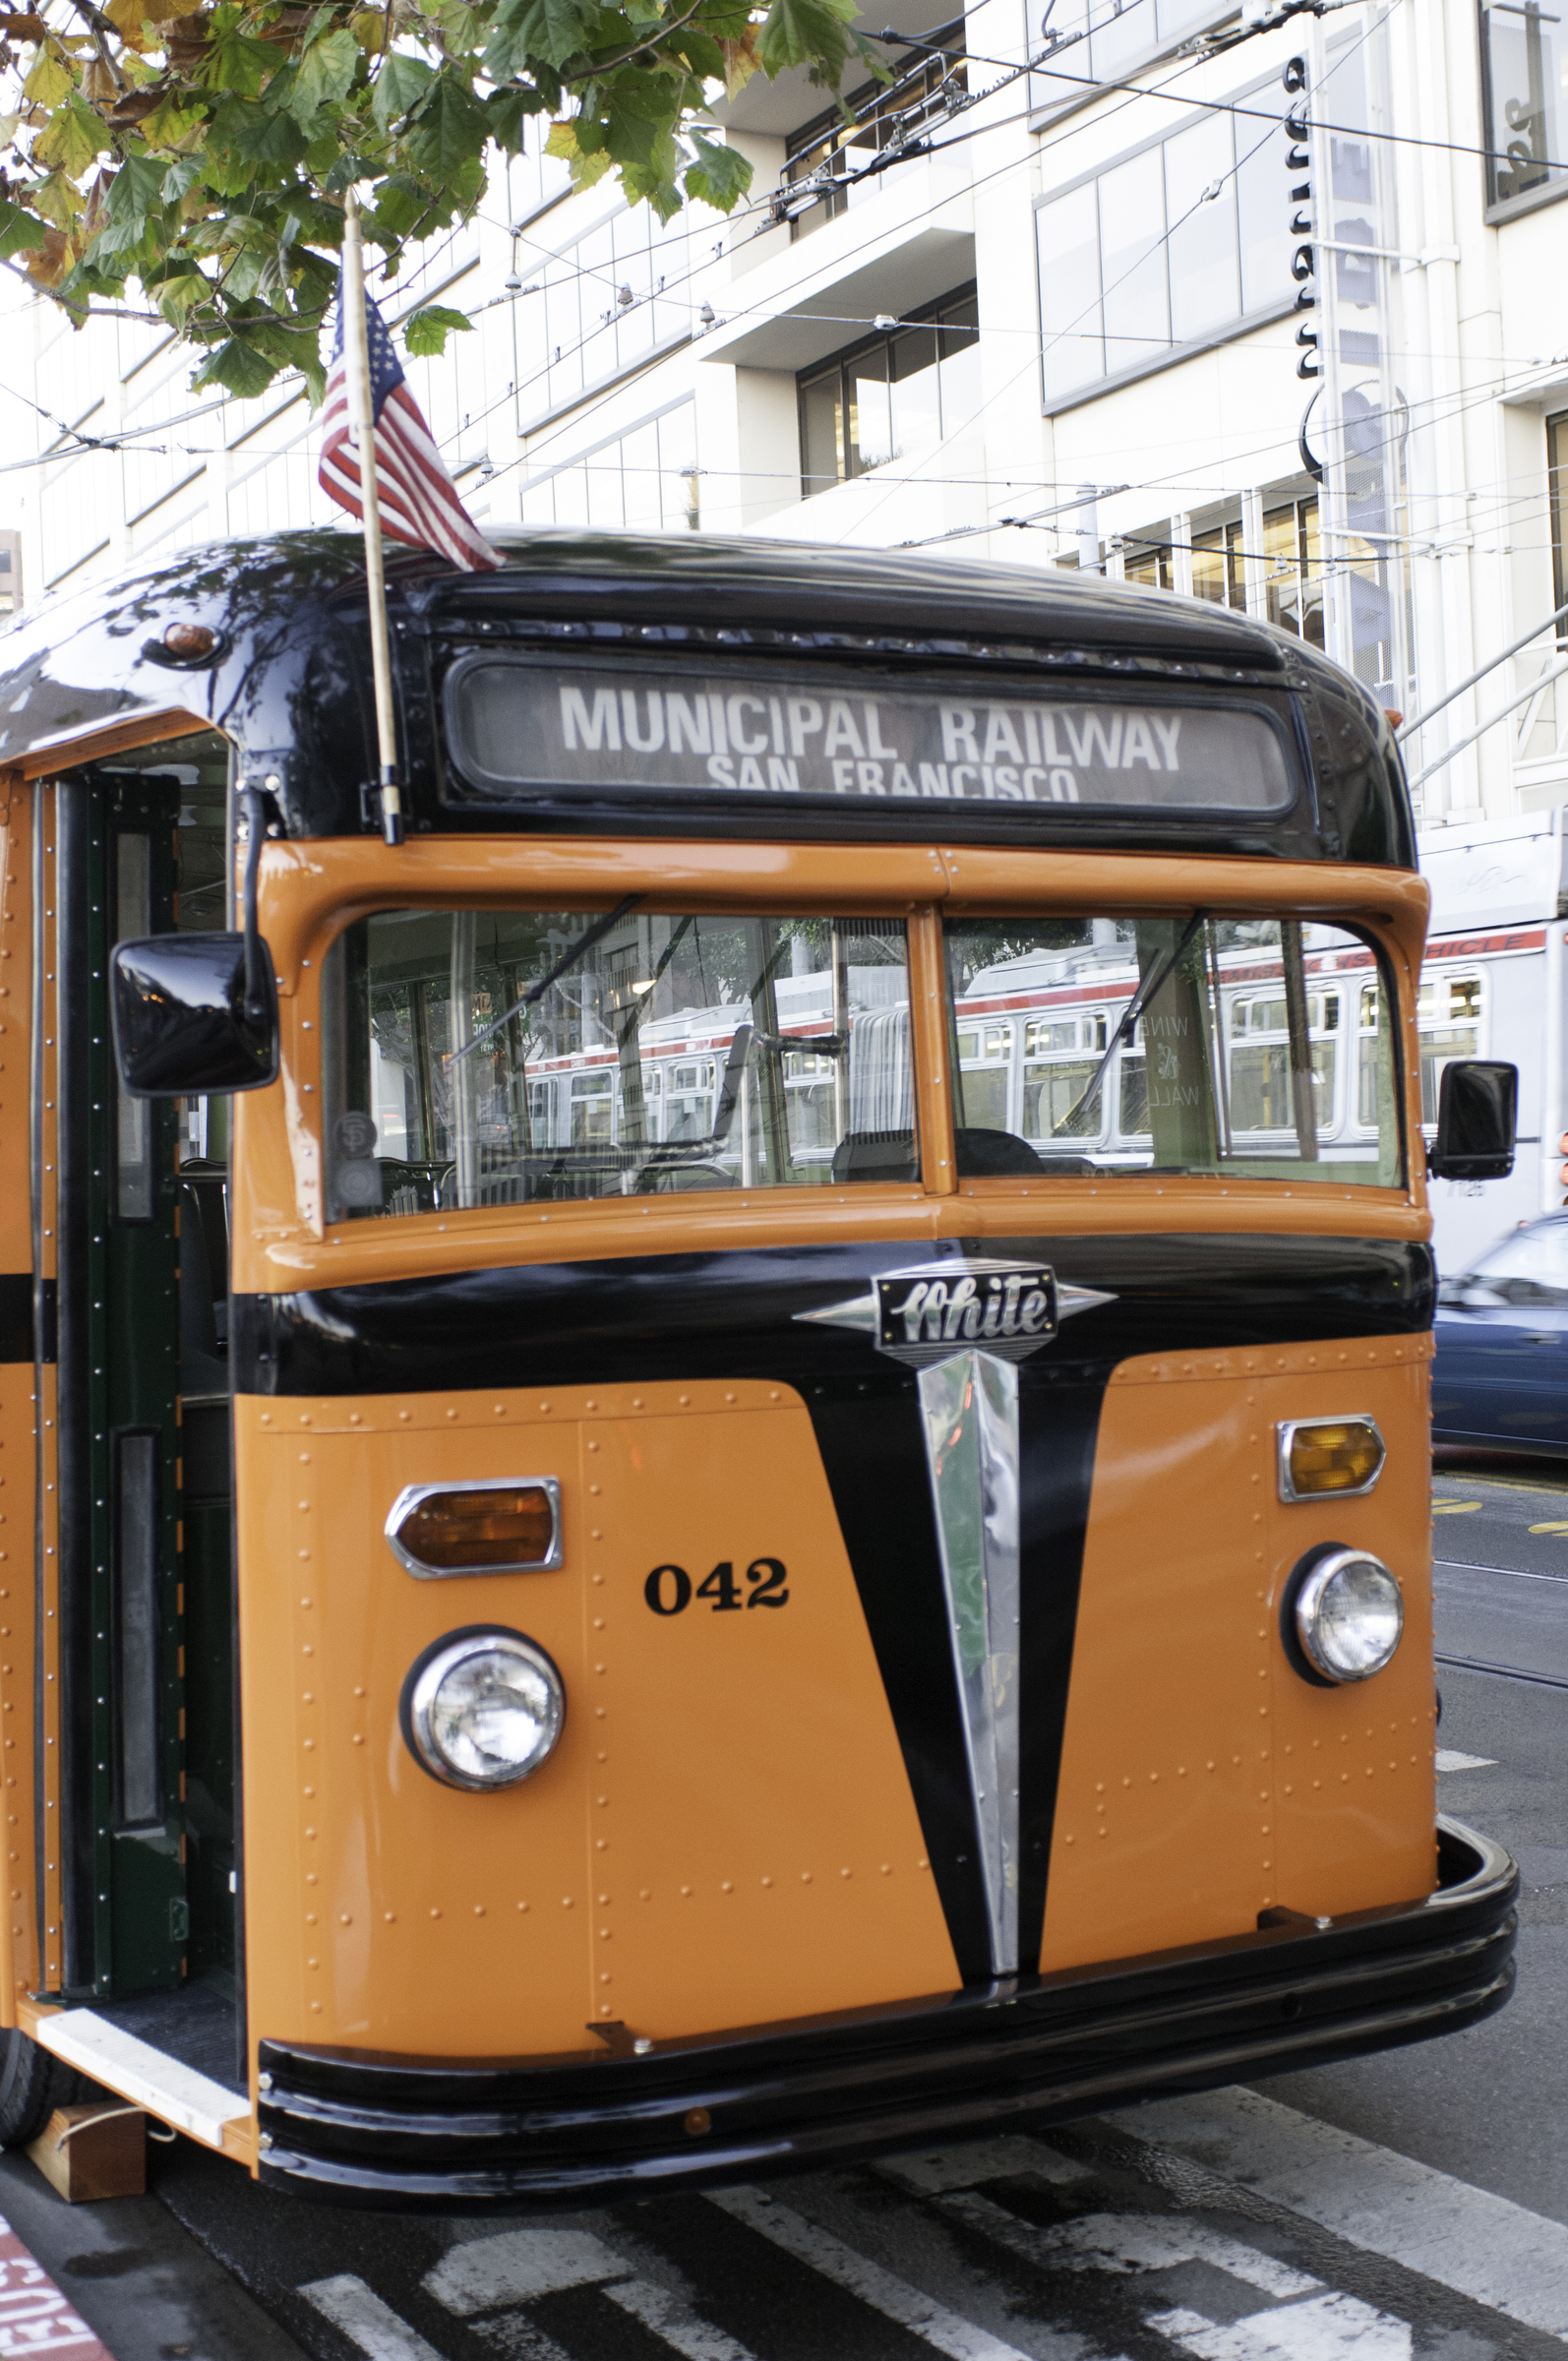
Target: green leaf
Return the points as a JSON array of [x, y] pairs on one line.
[[181, 178], [324, 75], [460, 26], [48, 80], [254, 135], [399, 204], [235, 62], [136, 190], [399, 86], [18, 230], [448, 130], [170, 122], [554, 31], [73, 139], [506, 111], [426, 331], [800, 32], [720, 177], [238, 368], [178, 296]]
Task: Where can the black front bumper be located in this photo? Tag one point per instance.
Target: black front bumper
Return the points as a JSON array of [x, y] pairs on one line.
[[461, 2134]]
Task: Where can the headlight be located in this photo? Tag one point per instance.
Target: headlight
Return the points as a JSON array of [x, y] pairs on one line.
[[482, 1707], [1344, 1615]]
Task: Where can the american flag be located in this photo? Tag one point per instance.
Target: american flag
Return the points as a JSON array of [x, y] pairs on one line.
[[418, 499]]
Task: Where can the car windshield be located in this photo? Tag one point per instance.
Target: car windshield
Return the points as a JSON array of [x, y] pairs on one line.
[[499, 1057], [1188, 1043], [1528, 1266]]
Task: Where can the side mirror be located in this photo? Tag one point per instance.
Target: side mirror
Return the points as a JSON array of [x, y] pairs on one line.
[[1477, 1104], [183, 1023]]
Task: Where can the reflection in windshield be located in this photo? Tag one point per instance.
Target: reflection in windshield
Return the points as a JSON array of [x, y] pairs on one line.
[[499, 1058], [1188, 1043]]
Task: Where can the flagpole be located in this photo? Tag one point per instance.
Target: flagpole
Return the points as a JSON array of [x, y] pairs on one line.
[[356, 372]]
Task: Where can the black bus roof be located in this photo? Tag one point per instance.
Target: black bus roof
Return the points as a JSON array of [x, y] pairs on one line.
[[287, 679]]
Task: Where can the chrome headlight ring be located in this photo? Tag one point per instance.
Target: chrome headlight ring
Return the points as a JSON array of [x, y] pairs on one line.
[[482, 1709], [1342, 1615]]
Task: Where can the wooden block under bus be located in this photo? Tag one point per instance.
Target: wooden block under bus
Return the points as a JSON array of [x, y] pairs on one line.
[[87, 2153]]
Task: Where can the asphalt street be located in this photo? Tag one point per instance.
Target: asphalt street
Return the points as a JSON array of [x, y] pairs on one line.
[[1411, 2206]]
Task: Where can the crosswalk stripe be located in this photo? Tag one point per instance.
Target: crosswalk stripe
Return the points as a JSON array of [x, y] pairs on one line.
[[896, 2300], [518, 2267], [1127, 2242], [668, 2317], [366, 2320], [1482, 2246], [1331, 2328], [515, 2336]]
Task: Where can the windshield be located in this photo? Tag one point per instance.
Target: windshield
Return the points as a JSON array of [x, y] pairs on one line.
[[1194, 1043], [499, 1058]]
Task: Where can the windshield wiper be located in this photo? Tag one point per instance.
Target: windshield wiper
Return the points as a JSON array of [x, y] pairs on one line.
[[1155, 980], [536, 991]]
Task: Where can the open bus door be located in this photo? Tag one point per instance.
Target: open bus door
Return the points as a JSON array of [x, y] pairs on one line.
[[121, 1810]]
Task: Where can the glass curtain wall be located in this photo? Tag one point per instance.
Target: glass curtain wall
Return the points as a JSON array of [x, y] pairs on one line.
[[1174, 246]]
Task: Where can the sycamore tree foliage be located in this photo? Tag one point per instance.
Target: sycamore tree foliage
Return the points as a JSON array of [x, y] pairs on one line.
[[198, 150]]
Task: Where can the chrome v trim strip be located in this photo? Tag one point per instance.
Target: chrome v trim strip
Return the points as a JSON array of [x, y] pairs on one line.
[[969, 1417]]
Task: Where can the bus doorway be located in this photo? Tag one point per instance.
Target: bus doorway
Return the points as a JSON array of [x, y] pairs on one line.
[[135, 1762]]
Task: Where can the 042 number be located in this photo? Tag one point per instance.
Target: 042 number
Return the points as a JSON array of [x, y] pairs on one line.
[[669, 1590]]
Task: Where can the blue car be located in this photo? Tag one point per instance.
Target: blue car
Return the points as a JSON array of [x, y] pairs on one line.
[[1500, 1379]]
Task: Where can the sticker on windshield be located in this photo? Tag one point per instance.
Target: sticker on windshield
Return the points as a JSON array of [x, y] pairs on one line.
[[516, 725]]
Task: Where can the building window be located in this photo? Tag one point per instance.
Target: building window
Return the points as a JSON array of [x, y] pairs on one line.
[[598, 307], [646, 480], [1292, 551], [10, 571], [1107, 44], [825, 151], [1521, 63], [890, 395], [1292, 556], [1177, 245]]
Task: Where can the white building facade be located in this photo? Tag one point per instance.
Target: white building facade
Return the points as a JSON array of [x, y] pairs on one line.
[[1275, 317]]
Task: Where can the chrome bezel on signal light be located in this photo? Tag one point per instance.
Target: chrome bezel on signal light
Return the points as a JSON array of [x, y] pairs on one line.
[[1303, 1598], [425, 1677], [1289, 1429], [413, 1495]]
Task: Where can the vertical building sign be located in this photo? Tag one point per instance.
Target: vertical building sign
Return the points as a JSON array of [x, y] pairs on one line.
[[1359, 424]]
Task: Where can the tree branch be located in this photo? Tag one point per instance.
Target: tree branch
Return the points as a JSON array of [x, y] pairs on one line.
[[99, 26]]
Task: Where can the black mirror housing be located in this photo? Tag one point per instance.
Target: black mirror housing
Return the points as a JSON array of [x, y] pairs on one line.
[[182, 1026], [1477, 1118]]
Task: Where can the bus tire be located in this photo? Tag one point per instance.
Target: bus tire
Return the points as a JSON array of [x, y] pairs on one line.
[[32, 2084]]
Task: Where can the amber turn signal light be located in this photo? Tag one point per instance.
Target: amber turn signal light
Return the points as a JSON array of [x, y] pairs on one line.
[[504, 1525], [1323, 1456]]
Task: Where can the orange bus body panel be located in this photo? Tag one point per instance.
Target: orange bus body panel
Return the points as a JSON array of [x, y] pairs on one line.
[[1202, 1780], [678, 1864]]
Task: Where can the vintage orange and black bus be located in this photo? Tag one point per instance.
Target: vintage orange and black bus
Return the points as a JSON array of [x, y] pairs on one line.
[[725, 1465]]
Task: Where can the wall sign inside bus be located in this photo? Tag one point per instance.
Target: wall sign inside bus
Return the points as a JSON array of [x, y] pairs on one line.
[[518, 725]]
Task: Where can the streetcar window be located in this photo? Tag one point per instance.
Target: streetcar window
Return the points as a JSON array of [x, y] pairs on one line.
[[499, 1058], [1196, 1043], [1448, 1018]]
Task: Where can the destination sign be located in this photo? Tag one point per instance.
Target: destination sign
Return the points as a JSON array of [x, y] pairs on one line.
[[515, 725]]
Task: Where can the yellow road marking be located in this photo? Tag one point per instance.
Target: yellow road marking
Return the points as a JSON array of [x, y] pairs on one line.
[[1561, 1528], [1453, 1508]]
